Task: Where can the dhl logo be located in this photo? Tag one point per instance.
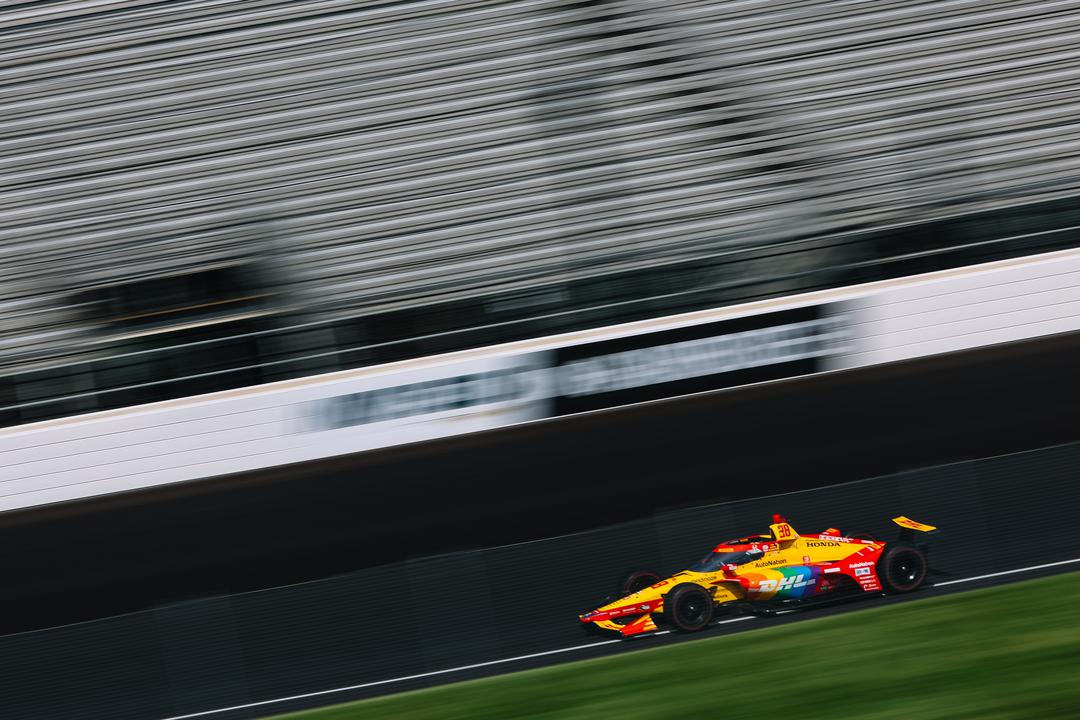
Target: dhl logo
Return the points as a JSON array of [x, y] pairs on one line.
[[788, 583]]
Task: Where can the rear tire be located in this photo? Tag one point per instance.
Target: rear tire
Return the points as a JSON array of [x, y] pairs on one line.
[[688, 607], [901, 568], [637, 581]]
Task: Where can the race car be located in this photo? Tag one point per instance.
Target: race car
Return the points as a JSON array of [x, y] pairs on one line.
[[766, 573]]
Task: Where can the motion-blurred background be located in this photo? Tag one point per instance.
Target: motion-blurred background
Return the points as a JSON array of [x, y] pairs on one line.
[[204, 195], [301, 187]]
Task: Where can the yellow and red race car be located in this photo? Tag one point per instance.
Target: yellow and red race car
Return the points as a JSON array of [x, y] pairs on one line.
[[766, 572]]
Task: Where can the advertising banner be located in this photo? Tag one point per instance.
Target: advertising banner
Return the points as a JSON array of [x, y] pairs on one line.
[[372, 412], [697, 358]]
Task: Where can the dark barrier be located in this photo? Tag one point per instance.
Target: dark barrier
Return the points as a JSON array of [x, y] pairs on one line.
[[435, 613]]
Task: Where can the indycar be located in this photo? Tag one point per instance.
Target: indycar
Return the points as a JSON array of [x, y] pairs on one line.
[[766, 573]]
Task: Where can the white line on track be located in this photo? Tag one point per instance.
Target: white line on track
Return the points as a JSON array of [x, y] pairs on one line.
[[393, 680], [1006, 572], [433, 673]]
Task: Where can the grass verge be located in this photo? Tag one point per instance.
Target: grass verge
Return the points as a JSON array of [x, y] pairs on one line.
[[1011, 651]]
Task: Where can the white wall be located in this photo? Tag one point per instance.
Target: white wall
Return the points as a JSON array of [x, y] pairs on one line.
[[416, 400], [1001, 302]]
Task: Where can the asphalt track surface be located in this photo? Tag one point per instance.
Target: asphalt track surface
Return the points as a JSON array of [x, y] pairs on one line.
[[595, 648], [297, 523]]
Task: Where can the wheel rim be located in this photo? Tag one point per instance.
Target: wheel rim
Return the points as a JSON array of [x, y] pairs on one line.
[[906, 569], [692, 610]]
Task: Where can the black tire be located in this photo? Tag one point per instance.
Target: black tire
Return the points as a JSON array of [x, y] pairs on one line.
[[901, 568], [860, 536], [637, 581], [688, 607]]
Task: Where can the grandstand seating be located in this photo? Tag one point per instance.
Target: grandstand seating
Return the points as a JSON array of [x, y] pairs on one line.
[[382, 155]]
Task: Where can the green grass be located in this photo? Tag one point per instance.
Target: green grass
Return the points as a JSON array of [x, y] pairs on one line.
[[1006, 652]]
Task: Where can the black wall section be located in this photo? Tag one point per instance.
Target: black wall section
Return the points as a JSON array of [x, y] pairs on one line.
[[291, 524], [746, 350], [478, 606]]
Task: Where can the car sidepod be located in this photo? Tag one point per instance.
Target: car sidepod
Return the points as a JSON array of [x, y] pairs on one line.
[[785, 583]]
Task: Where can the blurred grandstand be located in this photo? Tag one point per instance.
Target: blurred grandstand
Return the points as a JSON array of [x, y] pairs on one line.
[[202, 194]]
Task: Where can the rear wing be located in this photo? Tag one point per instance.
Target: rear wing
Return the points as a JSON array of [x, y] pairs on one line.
[[909, 527], [911, 524]]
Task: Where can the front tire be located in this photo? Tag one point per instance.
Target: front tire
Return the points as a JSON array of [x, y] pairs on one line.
[[901, 569], [637, 581], [688, 607]]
